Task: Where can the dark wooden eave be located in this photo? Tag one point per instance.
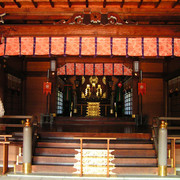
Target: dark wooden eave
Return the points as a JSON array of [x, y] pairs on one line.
[[91, 30]]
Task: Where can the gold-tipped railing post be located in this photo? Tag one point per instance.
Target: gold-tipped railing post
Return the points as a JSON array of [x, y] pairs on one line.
[[162, 149], [5, 152], [81, 160], [27, 148]]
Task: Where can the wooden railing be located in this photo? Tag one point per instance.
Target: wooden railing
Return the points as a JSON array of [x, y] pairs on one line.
[[18, 124], [172, 154], [5, 151], [172, 139], [13, 121], [93, 138]]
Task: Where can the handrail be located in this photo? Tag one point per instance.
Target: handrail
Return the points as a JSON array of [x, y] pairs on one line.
[[5, 152], [155, 137], [155, 130], [173, 150], [168, 118], [15, 117], [33, 121], [93, 138], [35, 127]]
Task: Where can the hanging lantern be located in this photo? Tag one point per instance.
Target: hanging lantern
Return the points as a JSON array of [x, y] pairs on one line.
[[141, 88], [120, 84], [47, 88], [136, 66], [53, 65]]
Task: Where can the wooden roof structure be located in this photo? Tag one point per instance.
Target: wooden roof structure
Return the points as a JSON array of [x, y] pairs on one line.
[[112, 18]]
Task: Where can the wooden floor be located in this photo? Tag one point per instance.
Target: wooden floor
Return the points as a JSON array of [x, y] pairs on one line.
[[94, 125]]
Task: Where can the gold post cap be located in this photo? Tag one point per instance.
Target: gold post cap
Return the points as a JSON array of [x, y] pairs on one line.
[[163, 124], [27, 124]]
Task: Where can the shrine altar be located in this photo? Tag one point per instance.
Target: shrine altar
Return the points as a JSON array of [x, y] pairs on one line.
[[93, 109]]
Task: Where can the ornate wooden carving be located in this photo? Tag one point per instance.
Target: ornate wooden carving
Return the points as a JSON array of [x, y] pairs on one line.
[[95, 18]]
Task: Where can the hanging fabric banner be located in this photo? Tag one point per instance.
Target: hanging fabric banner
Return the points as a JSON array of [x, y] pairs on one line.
[[47, 88], [141, 88], [96, 69], [89, 46]]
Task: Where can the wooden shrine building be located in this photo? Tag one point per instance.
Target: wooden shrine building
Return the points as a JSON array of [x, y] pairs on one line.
[[94, 72]]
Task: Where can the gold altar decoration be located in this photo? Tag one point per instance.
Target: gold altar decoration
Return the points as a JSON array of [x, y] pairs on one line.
[[94, 162], [93, 109], [83, 80], [93, 80], [88, 91], [99, 91], [104, 80]]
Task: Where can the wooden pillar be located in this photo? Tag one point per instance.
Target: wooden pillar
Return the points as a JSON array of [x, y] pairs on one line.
[[162, 150], [27, 148]]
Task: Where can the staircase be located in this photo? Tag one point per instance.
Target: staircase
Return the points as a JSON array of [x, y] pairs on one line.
[[60, 153]]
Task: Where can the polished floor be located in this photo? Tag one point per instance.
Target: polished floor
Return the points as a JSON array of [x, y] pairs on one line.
[[54, 177], [94, 125]]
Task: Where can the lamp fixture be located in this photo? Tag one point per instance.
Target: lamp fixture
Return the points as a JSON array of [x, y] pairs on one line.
[[53, 65], [136, 66]]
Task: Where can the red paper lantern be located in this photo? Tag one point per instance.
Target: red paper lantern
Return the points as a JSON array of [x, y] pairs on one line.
[[47, 88], [141, 88], [119, 84]]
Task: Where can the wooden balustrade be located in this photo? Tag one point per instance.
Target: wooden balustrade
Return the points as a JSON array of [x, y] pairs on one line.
[[5, 151], [93, 138], [14, 124], [173, 150], [156, 123], [155, 127]]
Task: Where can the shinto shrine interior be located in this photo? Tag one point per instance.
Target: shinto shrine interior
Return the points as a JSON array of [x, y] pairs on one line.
[[90, 66]]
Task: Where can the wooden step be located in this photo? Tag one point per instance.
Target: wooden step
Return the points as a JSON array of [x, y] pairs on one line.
[[133, 153], [140, 171], [63, 170], [50, 160], [94, 145], [92, 123], [54, 160], [55, 152], [61, 135], [116, 152], [92, 119], [135, 162], [70, 170], [116, 161], [152, 162]]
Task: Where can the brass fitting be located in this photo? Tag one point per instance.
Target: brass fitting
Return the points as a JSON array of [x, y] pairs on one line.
[[27, 124], [163, 125]]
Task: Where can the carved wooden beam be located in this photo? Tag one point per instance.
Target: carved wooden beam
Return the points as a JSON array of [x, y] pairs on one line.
[[35, 4], [140, 3], [2, 4], [51, 3], [17, 3], [176, 3], [69, 3], [122, 4], [104, 4], [157, 4], [87, 3], [91, 30]]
